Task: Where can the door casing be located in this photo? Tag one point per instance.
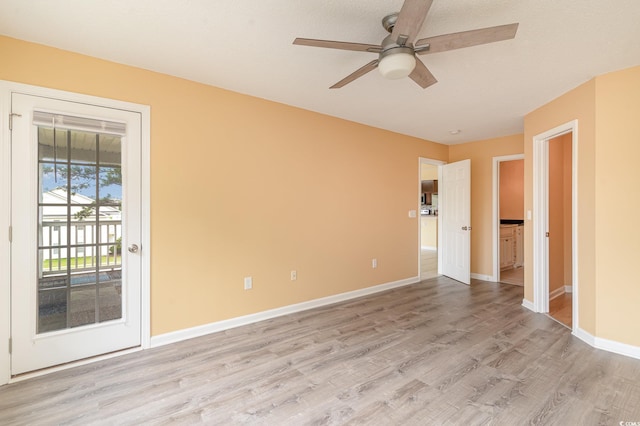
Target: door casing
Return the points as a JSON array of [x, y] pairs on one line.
[[541, 219], [6, 88]]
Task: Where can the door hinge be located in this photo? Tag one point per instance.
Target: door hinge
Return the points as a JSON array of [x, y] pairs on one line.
[[547, 234], [10, 345], [11, 115], [10, 234]]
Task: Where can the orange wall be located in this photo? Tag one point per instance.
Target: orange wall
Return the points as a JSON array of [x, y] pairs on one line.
[[481, 154], [577, 104], [512, 189], [617, 206], [607, 109], [242, 186], [294, 189]]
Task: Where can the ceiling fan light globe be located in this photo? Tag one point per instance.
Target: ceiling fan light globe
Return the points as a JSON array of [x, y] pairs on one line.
[[397, 65]]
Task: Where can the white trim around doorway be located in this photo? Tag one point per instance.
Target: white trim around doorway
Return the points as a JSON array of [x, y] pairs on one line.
[[6, 88], [5, 223], [541, 218]]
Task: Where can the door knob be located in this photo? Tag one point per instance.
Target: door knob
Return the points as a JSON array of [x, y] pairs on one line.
[[133, 248], [464, 228]]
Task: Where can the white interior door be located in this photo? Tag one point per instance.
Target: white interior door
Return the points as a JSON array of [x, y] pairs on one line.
[[455, 214], [75, 209]]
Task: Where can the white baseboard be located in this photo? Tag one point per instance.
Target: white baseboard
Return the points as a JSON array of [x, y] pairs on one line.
[[568, 289], [586, 337], [201, 330], [483, 277], [618, 348], [608, 345], [556, 293], [528, 305]]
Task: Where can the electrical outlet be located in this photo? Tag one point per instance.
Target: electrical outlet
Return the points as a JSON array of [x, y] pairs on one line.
[[374, 263], [248, 283], [294, 275]]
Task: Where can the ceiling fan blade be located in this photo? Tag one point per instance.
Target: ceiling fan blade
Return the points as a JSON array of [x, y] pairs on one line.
[[422, 75], [410, 19], [342, 45], [452, 41], [356, 74]]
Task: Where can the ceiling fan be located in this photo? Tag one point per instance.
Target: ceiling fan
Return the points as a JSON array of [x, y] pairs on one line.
[[397, 53]]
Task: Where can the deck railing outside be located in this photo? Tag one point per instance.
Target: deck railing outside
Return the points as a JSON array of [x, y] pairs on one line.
[[81, 246]]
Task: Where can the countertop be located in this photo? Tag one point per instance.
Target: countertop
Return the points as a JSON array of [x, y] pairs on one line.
[[511, 222]]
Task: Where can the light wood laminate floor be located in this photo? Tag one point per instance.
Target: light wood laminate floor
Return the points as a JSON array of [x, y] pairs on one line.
[[436, 352]]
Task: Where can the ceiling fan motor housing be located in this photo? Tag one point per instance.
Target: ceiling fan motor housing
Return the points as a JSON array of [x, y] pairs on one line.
[[396, 61]]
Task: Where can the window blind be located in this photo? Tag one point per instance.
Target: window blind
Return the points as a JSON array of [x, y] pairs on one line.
[[83, 124]]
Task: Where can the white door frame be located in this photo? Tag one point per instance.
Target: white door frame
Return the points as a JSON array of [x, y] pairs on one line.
[[431, 162], [541, 218], [496, 211], [6, 88]]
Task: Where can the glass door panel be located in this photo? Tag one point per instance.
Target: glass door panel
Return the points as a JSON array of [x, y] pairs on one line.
[[80, 225]]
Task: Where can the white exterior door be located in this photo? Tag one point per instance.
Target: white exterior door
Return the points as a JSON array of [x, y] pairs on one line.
[[75, 210], [455, 214]]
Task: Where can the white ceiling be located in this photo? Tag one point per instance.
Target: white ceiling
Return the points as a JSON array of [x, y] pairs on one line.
[[246, 46]]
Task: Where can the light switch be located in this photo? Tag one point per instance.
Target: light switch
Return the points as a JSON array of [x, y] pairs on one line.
[[412, 213], [528, 214]]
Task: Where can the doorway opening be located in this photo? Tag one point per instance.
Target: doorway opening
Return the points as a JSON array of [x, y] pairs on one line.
[[555, 283], [508, 219], [560, 281], [429, 226]]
